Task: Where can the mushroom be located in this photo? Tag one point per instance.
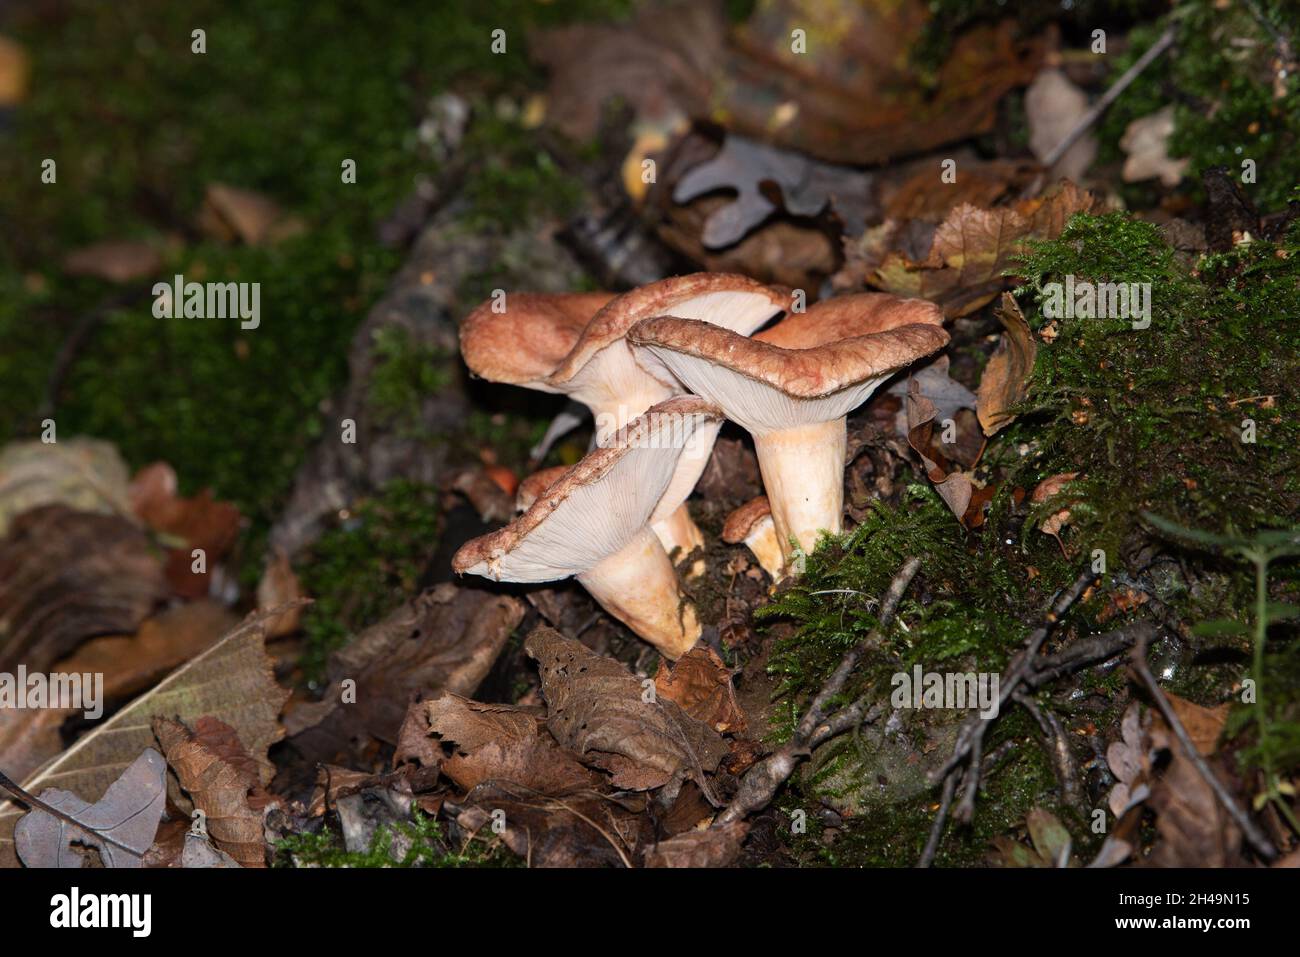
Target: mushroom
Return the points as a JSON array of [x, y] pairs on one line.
[[594, 523], [531, 488], [792, 385], [602, 373], [752, 524], [524, 342]]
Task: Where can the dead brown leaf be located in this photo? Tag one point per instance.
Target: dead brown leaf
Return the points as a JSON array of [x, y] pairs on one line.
[[120, 825], [601, 711], [972, 248], [445, 639], [497, 743], [129, 663], [279, 586], [232, 214], [218, 775], [232, 681], [711, 847], [119, 261], [1005, 379], [66, 576], [701, 684], [200, 522]]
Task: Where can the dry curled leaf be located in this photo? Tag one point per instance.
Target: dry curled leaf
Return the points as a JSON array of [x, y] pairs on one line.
[[955, 487], [219, 776], [120, 825], [1005, 379], [972, 249], [601, 712]]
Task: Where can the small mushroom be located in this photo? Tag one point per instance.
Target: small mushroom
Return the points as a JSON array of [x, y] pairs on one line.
[[752, 524], [594, 524], [602, 373], [792, 385], [531, 488]]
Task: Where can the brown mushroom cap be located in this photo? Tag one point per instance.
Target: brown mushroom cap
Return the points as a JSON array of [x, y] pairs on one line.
[[531, 488], [724, 299], [742, 521], [768, 387], [524, 344], [596, 507]]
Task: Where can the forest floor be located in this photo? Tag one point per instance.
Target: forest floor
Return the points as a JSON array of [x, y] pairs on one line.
[[1099, 509]]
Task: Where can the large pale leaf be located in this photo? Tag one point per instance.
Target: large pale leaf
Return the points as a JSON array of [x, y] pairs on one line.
[[232, 681]]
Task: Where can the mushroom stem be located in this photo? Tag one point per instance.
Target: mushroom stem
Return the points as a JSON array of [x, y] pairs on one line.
[[766, 547], [679, 530], [803, 473], [637, 585]]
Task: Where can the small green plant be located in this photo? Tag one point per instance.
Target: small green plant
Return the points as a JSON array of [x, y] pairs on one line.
[[1260, 549]]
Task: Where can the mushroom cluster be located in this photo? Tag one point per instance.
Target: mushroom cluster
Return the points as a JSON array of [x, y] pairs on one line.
[[660, 368]]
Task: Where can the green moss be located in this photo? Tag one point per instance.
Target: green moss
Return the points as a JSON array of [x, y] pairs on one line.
[[1155, 418], [140, 126], [364, 568], [429, 848], [1221, 78], [405, 374]]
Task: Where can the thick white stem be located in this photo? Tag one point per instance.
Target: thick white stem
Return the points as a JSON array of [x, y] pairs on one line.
[[637, 585], [803, 473], [679, 531], [762, 541]]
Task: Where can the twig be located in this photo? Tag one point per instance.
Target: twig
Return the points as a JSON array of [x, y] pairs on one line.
[[970, 739], [1163, 43], [936, 829], [1067, 769], [761, 782], [1258, 840], [1021, 666]]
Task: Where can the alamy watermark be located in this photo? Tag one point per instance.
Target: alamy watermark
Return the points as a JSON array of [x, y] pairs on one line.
[[82, 691], [1081, 299], [946, 690], [209, 300]]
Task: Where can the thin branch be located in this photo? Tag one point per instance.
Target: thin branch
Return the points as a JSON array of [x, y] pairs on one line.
[[1258, 840], [1163, 43], [761, 782]]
